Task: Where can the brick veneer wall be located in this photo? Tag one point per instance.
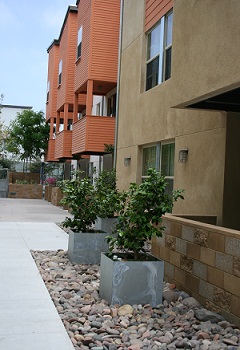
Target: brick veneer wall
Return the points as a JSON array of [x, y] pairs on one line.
[[56, 196], [204, 261], [25, 191], [13, 176]]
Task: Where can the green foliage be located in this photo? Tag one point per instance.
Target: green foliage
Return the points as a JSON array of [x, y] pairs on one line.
[[28, 135], [107, 195], [79, 195], [26, 182], [142, 208], [7, 163]]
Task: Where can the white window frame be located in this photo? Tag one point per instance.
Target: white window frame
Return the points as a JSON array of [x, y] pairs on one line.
[[158, 165], [162, 49], [79, 43], [48, 90], [60, 73]]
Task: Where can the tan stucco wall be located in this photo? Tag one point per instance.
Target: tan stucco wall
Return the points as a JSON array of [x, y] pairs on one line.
[[148, 117], [206, 48]]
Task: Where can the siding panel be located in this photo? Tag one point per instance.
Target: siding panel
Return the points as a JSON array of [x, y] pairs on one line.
[[51, 105], [63, 145], [155, 9], [91, 133]]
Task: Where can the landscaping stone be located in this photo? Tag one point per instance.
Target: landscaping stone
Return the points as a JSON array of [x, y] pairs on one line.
[[180, 323]]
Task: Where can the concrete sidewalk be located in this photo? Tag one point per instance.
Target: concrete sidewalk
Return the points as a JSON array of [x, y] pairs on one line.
[[28, 318]]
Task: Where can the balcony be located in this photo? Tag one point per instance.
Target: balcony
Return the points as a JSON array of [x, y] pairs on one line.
[[63, 145], [90, 133], [50, 155]]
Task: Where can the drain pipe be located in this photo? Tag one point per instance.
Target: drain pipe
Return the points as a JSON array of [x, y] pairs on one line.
[[118, 85]]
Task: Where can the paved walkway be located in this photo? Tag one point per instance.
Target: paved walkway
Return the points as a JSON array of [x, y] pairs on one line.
[[28, 318]]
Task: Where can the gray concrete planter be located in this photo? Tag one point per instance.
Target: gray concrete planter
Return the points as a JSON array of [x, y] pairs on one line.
[[131, 282], [106, 224], [86, 247]]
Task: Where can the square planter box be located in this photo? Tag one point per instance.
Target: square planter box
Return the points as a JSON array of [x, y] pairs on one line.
[[106, 224], [86, 247], [131, 282]]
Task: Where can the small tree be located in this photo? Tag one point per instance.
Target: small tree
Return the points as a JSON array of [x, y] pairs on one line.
[[107, 195], [79, 195], [28, 135], [142, 208]]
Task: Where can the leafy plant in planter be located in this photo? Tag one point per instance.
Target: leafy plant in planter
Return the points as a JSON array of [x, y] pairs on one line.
[[132, 276], [85, 244], [142, 208], [107, 195], [108, 200], [79, 195]]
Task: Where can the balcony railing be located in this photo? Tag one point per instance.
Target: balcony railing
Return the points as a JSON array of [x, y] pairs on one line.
[[90, 133], [50, 155], [63, 146]]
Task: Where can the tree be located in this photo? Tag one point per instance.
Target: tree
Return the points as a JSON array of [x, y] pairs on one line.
[[1, 124], [28, 135]]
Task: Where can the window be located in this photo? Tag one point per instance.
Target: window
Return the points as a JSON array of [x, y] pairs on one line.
[[160, 157], [48, 90], [111, 108], [60, 73], [79, 45], [159, 52]]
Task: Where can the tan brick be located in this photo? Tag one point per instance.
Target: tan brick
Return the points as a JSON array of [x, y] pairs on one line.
[[186, 263], [155, 250], [192, 282], [224, 262], [232, 284], [193, 250], [176, 229], [168, 270], [175, 258], [164, 254], [232, 246], [216, 241], [207, 256], [201, 237], [215, 276], [170, 242], [222, 298], [236, 267], [235, 305], [180, 275], [206, 290]]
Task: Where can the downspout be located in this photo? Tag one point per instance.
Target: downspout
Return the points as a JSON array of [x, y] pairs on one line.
[[118, 85]]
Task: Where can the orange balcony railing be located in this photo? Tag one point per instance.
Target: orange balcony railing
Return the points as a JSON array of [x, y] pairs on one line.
[[90, 133], [50, 155], [63, 146]]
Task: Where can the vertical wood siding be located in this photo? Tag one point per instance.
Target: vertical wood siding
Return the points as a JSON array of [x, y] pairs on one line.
[[63, 144], [78, 137], [67, 53], [91, 133], [82, 65], [155, 9], [99, 61], [51, 105], [50, 156], [105, 37]]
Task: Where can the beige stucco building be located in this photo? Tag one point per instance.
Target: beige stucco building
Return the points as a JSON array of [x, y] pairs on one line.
[[179, 90]]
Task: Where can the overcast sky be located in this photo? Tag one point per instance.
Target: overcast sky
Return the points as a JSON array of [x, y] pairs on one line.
[[27, 28]]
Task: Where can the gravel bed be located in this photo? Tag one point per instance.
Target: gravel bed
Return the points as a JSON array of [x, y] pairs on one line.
[[180, 322]]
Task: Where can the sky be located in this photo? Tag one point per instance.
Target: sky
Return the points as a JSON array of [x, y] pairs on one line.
[[27, 28]]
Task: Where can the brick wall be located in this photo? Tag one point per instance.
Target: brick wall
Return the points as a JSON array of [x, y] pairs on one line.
[[13, 176], [56, 196], [25, 191], [204, 261]]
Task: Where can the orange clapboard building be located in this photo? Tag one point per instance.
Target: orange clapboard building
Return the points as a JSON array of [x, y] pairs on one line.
[[96, 75], [82, 65]]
